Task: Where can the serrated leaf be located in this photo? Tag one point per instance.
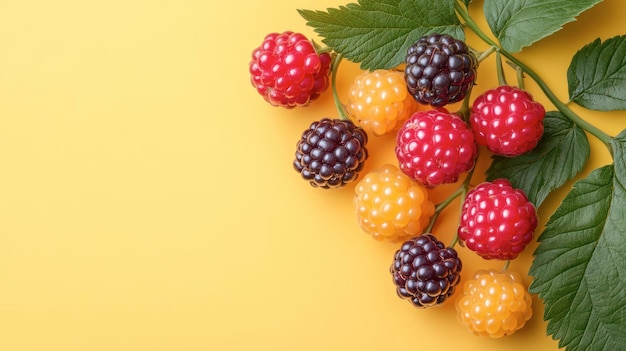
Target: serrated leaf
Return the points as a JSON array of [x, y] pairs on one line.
[[559, 156], [597, 75], [377, 34], [519, 23], [579, 268]]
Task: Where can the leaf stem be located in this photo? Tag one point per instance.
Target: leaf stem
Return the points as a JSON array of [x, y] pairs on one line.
[[333, 81], [562, 107]]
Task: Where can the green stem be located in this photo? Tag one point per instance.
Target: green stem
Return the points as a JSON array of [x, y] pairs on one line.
[[483, 55], [440, 207], [500, 69], [465, 109], [460, 191], [520, 77], [562, 107], [464, 190], [506, 265], [333, 81], [455, 240]]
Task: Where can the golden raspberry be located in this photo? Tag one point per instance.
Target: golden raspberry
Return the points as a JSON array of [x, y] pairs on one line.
[[494, 303], [390, 206], [379, 102]]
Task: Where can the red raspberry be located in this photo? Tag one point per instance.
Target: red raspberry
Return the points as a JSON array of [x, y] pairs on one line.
[[287, 71], [507, 121], [434, 147], [497, 221]]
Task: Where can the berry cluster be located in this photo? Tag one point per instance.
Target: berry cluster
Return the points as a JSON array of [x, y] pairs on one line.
[[379, 102], [440, 70], [435, 147], [390, 206], [287, 70], [432, 147], [497, 221], [331, 153], [425, 272], [494, 304], [507, 121]]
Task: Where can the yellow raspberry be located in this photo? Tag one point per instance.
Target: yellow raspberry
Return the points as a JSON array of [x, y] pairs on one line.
[[379, 101], [390, 206], [494, 303]]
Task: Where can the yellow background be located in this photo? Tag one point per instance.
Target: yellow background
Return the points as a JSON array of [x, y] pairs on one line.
[[148, 202]]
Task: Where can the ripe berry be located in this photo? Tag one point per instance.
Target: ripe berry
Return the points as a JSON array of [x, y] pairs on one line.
[[507, 121], [331, 153], [435, 147], [440, 70], [379, 102], [425, 272], [390, 206], [494, 304], [497, 221], [287, 71]]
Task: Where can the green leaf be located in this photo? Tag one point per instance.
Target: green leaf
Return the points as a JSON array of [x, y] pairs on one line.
[[376, 33], [559, 156], [579, 268], [597, 75], [519, 23]]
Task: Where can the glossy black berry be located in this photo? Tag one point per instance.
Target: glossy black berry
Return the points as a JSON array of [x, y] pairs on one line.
[[331, 153], [425, 272], [439, 70]]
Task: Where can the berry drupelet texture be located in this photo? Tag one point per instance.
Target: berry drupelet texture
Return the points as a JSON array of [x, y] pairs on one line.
[[497, 220], [507, 121], [435, 147], [494, 304], [390, 206], [379, 102], [331, 153], [287, 71], [439, 70], [425, 272]]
